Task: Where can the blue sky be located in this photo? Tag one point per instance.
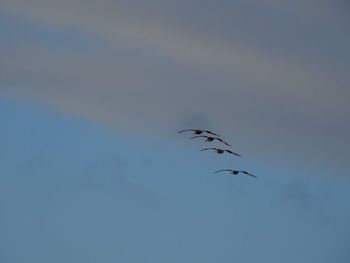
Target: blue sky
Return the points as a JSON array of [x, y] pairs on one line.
[[75, 191], [92, 94]]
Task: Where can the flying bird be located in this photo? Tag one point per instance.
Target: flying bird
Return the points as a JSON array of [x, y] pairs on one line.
[[198, 131], [220, 151], [235, 172], [210, 139]]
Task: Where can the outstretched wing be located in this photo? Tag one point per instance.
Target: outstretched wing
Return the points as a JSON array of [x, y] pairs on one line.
[[252, 175], [199, 136], [212, 133], [221, 140], [231, 152], [224, 170], [207, 149], [186, 130]]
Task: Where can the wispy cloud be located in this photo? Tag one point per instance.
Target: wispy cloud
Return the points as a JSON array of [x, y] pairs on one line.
[[274, 72]]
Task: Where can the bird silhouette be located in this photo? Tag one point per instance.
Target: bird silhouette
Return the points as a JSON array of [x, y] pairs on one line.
[[235, 172], [221, 151], [210, 139], [198, 131]]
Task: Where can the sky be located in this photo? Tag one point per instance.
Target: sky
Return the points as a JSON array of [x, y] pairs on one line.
[[93, 92]]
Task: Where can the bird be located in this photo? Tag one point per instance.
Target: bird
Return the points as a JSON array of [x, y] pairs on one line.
[[210, 139], [220, 151], [198, 132], [235, 172]]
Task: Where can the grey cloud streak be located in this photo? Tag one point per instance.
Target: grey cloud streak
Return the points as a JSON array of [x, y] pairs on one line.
[[272, 74]]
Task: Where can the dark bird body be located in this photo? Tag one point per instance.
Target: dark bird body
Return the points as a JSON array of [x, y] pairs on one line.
[[235, 172], [210, 139], [221, 151], [198, 132]]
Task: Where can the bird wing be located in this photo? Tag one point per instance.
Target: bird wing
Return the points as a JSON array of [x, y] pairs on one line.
[[252, 175], [199, 136], [211, 133], [204, 149], [231, 152], [224, 170], [186, 130], [221, 140]]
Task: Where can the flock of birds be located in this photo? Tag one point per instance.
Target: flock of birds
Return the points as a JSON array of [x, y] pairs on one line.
[[210, 137]]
